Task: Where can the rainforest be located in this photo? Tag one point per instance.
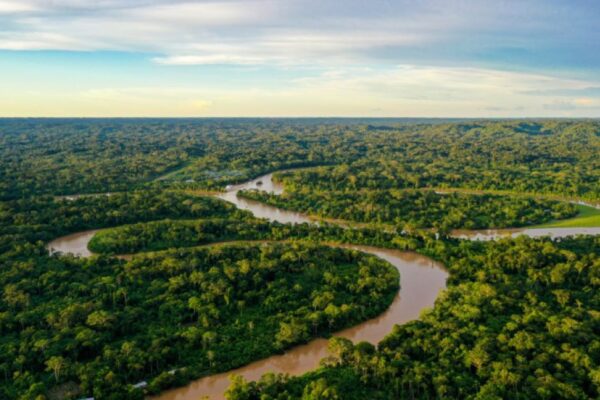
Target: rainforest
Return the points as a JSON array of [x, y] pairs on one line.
[[299, 259]]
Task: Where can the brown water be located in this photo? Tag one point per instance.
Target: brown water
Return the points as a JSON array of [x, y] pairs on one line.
[[259, 209], [276, 214], [75, 244], [491, 234], [421, 281]]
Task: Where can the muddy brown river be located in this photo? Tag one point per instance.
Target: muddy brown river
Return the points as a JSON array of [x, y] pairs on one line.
[[421, 281], [490, 234], [75, 243]]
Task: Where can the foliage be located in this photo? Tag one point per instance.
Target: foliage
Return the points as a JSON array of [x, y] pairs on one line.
[[410, 209], [62, 156], [105, 323], [165, 234], [44, 217], [587, 217], [519, 320]]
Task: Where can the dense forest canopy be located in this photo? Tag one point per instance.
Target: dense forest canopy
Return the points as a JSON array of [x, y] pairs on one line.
[[105, 323], [411, 209], [44, 217], [76, 156], [84, 326], [519, 318]]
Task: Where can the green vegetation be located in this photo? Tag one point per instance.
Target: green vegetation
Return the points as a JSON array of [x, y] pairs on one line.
[[84, 326], [91, 156], [104, 324], [411, 209], [165, 234], [519, 320], [587, 217], [44, 218]]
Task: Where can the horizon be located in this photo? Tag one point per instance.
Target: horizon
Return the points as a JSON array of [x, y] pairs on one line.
[[300, 59], [450, 119]]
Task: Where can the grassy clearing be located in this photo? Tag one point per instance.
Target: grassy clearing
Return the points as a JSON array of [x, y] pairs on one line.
[[587, 217]]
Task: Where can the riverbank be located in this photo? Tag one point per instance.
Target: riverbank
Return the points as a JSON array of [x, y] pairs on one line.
[[421, 281]]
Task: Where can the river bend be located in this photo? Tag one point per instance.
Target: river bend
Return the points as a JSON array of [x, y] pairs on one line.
[[421, 281]]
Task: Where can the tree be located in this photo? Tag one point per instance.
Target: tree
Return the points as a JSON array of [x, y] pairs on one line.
[[291, 332], [56, 364], [320, 390]]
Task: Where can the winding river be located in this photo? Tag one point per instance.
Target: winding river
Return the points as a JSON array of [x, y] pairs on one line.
[[421, 281], [490, 234]]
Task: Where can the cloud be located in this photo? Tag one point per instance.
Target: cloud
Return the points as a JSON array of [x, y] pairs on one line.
[[208, 59], [322, 32], [405, 90], [443, 91], [301, 57], [39, 41], [571, 105], [593, 91], [13, 7], [286, 48], [560, 105], [435, 82], [586, 102]]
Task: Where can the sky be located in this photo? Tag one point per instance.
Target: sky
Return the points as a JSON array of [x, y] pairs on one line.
[[299, 58]]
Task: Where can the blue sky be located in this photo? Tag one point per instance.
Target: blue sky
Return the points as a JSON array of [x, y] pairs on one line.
[[527, 58]]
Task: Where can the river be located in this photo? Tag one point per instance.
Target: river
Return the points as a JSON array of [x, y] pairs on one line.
[[75, 243], [421, 281], [490, 234]]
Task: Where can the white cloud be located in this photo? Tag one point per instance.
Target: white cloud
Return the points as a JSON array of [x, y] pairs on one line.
[[203, 14], [39, 41], [12, 7], [350, 45], [208, 59], [435, 82], [290, 32], [406, 90]]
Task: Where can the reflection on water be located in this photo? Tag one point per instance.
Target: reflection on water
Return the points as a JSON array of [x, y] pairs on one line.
[[490, 234], [75, 244], [259, 209]]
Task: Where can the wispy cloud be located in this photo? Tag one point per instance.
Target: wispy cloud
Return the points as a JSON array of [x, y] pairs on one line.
[[13, 7], [301, 57], [593, 91], [399, 91], [312, 31]]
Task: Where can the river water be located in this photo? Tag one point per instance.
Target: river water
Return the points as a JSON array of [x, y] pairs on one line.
[[75, 243], [421, 280], [259, 209], [490, 234]]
